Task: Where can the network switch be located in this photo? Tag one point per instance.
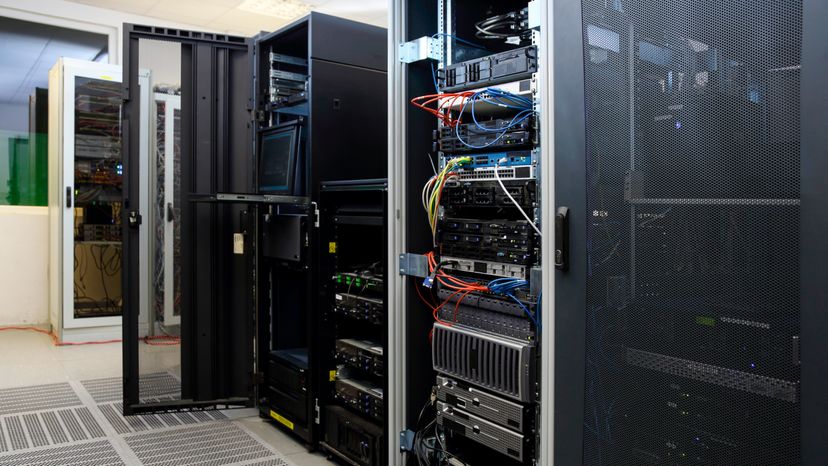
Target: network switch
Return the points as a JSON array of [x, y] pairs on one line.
[[359, 281], [500, 159]]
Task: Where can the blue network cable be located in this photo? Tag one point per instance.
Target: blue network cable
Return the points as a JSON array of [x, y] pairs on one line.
[[502, 99], [506, 287]]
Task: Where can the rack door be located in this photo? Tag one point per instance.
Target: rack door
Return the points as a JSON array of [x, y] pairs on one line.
[[92, 174], [679, 317], [193, 347]]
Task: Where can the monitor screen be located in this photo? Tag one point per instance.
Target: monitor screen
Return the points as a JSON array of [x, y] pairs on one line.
[[277, 154]]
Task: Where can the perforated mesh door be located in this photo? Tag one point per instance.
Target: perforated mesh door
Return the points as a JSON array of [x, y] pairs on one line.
[[692, 316]]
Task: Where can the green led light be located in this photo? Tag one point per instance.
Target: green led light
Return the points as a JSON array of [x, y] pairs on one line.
[[704, 320]]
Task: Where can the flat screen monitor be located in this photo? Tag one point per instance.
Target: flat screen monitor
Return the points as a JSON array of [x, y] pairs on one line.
[[279, 164]]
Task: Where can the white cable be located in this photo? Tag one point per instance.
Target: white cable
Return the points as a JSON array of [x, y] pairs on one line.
[[531, 222]]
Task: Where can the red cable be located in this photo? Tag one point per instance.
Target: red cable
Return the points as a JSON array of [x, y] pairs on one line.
[[56, 342]]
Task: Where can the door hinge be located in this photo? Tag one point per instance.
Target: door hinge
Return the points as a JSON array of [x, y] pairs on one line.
[[316, 410], [315, 214], [135, 219]]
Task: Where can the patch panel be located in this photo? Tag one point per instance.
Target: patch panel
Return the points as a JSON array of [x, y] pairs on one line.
[[489, 321], [487, 302]]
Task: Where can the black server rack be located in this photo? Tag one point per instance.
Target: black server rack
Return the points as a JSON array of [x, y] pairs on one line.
[[681, 322], [353, 340], [265, 121], [472, 250]]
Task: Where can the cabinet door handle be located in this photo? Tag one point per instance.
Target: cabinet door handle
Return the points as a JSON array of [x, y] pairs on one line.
[[562, 238], [68, 197], [170, 212]]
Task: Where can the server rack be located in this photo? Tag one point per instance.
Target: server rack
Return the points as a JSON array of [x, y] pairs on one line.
[[684, 159], [250, 311], [432, 49], [353, 343], [85, 166]]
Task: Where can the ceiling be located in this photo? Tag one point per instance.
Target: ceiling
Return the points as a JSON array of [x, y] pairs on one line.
[[225, 16], [33, 48]]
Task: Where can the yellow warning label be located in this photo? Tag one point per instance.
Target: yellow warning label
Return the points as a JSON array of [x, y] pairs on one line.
[[332, 247], [281, 419], [332, 376]]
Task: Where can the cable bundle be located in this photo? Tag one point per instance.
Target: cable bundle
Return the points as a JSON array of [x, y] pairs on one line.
[[505, 26], [433, 189], [444, 103], [502, 286], [507, 287], [502, 99]]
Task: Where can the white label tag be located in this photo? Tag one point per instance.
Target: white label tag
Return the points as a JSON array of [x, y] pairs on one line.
[[339, 297], [238, 243]]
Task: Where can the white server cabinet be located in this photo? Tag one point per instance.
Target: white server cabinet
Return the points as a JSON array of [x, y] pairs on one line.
[[85, 200]]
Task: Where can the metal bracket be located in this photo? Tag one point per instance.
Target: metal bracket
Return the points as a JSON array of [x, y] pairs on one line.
[[316, 410], [534, 14], [415, 265], [424, 48], [406, 440]]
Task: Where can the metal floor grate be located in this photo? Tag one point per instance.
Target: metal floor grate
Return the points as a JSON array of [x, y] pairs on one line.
[[126, 425], [100, 453], [81, 424], [215, 443], [37, 398], [156, 386]]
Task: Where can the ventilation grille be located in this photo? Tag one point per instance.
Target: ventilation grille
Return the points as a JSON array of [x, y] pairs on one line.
[[491, 362], [692, 184]]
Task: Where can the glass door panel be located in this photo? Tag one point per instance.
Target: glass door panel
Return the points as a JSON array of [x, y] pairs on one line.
[[98, 174]]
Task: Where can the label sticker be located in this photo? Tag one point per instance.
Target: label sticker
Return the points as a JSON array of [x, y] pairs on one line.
[[332, 376], [332, 247], [238, 243], [281, 419]]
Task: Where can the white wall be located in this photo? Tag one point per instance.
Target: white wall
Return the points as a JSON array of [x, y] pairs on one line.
[[89, 18], [24, 243], [24, 256]]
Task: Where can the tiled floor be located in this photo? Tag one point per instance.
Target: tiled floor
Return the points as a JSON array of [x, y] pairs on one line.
[[29, 358]]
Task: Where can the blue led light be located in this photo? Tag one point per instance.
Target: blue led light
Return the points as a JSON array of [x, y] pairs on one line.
[[678, 124]]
